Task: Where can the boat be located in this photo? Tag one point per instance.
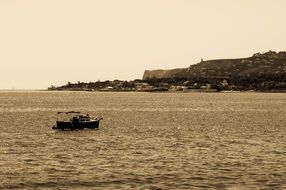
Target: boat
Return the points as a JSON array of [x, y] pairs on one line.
[[73, 120]]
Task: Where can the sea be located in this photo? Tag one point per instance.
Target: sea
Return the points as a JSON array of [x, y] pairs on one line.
[[223, 141]]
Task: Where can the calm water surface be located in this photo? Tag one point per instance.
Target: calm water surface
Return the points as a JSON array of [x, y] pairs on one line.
[[146, 141]]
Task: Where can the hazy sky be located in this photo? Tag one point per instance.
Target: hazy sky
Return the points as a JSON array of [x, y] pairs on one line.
[[56, 41]]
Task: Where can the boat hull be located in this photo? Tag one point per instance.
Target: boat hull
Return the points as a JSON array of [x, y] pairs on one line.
[[63, 125]]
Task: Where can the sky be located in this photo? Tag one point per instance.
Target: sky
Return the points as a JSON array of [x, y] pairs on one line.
[[52, 42]]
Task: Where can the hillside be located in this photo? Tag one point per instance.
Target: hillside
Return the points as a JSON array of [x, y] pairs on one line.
[[267, 65], [260, 72]]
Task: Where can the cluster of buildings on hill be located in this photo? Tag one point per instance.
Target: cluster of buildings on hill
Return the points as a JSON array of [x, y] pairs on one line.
[[149, 86], [271, 55], [116, 85]]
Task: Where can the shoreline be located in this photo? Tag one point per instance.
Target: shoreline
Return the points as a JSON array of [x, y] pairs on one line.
[[163, 92]]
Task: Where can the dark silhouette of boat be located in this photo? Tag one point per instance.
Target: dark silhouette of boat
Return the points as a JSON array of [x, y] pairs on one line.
[[75, 120]]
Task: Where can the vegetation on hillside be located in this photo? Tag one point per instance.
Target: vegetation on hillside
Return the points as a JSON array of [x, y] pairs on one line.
[[260, 72]]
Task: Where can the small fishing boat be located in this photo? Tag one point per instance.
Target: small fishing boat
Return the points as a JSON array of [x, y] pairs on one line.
[[75, 120]]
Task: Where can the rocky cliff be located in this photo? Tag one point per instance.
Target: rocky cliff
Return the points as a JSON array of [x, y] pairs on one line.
[[259, 65], [150, 74]]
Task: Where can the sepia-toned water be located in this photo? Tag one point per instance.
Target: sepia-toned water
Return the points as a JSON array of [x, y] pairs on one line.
[[146, 141]]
